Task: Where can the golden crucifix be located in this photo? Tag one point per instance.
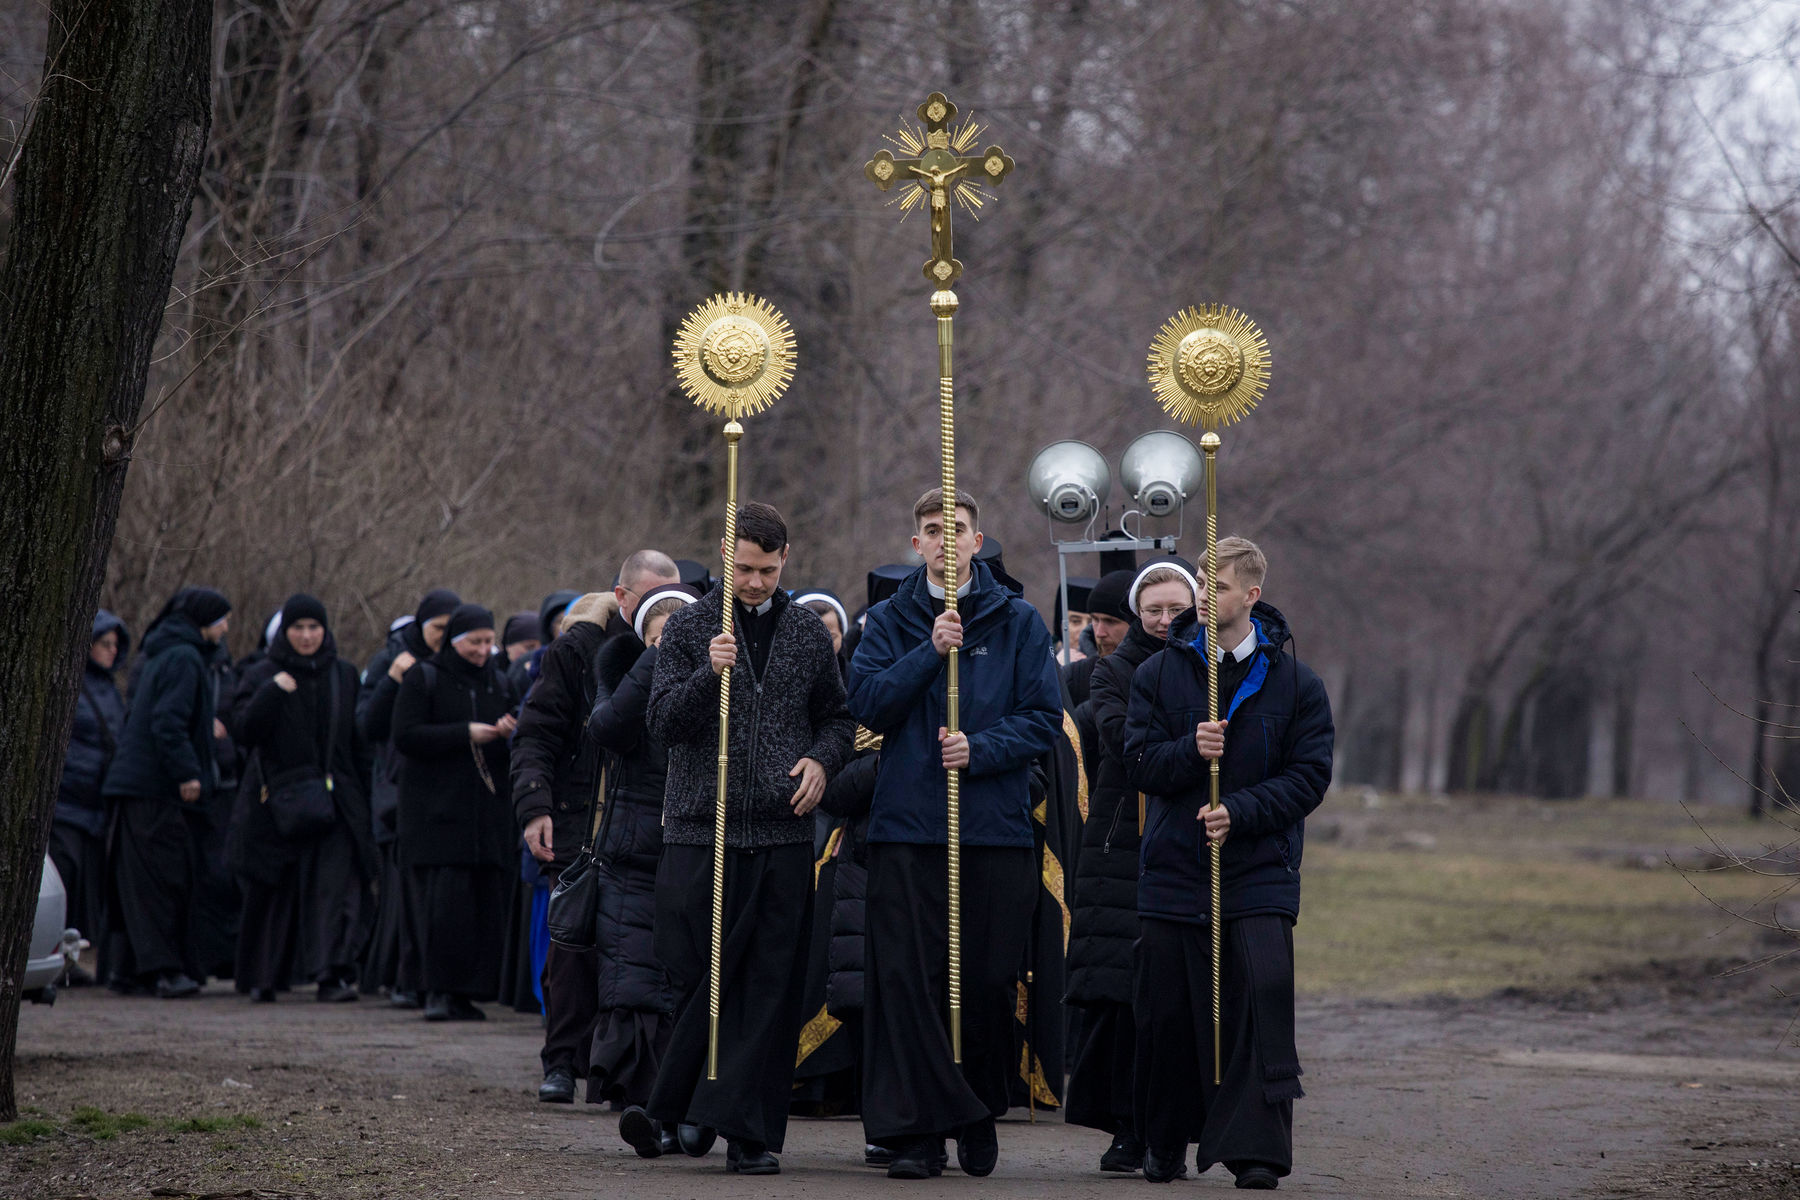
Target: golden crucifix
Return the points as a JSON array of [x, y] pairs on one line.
[[1210, 365], [941, 171]]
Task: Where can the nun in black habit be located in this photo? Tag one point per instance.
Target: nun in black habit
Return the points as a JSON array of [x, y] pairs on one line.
[[305, 871], [452, 719]]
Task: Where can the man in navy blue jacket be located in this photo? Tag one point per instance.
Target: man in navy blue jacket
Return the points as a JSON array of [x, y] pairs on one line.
[[1274, 746], [914, 1095]]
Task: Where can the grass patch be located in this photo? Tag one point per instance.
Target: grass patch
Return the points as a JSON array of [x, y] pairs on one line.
[[215, 1124], [103, 1126], [23, 1133]]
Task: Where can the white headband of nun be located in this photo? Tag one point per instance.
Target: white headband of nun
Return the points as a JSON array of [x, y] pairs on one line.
[[1164, 564], [273, 627], [837, 607], [676, 590]]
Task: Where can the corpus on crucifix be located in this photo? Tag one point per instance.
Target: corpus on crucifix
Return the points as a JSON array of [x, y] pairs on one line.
[[941, 169]]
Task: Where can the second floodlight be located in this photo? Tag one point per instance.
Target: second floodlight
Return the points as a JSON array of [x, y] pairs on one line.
[[1070, 480], [1160, 471]]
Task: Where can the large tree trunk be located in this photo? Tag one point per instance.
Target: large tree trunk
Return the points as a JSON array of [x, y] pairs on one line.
[[103, 192]]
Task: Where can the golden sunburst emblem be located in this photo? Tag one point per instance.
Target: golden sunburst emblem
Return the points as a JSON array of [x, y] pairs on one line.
[[1209, 365], [734, 355]]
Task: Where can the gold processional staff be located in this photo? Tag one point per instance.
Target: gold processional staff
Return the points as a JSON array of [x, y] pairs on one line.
[[734, 356], [938, 171], [1210, 365]]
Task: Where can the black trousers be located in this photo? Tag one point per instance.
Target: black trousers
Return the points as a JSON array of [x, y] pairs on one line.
[[460, 913], [768, 922], [1249, 1116], [912, 1086], [392, 960], [1101, 1082], [80, 859], [571, 1007], [310, 926], [155, 869]]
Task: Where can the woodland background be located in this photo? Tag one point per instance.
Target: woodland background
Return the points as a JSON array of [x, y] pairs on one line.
[[1529, 470]]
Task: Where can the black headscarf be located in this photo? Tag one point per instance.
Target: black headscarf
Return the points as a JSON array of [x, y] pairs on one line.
[[466, 618], [436, 603], [302, 607], [522, 627], [197, 605]]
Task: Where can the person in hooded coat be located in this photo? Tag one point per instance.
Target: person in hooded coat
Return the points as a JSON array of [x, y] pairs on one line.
[[308, 906], [158, 782], [78, 828], [635, 1001], [451, 723], [522, 672], [1274, 745], [1104, 920], [392, 962]]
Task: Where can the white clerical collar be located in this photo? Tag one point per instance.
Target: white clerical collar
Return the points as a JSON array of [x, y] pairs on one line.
[[760, 609], [1243, 649], [937, 589]]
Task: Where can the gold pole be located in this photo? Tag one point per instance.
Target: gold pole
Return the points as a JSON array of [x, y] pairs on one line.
[[733, 431], [943, 306], [1209, 446]]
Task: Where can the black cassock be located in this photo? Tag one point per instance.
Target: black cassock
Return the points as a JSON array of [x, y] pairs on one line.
[[827, 1065], [1041, 1018], [768, 924]]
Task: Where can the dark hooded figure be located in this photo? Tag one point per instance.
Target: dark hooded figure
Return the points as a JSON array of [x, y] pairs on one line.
[[451, 723], [522, 672], [308, 907], [78, 831], [159, 781], [392, 963]]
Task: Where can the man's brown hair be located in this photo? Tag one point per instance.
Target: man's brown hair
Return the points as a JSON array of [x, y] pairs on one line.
[[932, 503]]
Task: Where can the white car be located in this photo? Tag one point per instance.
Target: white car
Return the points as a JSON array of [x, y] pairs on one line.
[[48, 938]]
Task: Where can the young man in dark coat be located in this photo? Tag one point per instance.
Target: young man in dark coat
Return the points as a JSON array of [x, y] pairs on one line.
[[556, 773], [159, 781], [393, 959], [1274, 745], [1104, 924], [789, 733], [308, 903], [914, 1093], [452, 719], [78, 830]]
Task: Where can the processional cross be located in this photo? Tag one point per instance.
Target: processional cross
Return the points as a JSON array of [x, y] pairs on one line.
[[943, 173]]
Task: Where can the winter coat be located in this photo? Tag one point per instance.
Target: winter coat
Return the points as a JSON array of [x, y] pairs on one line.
[[631, 836], [794, 710], [1011, 709], [94, 738], [449, 814], [1104, 923], [555, 768], [375, 720], [1276, 768], [168, 736], [284, 736], [848, 797]]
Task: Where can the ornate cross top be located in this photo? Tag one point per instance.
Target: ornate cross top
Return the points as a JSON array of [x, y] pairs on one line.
[[941, 171]]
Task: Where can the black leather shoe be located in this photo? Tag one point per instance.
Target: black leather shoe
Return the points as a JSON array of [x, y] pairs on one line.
[[262, 995], [696, 1140], [1124, 1157], [640, 1132], [558, 1086], [978, 1148], [463, 1009], [437, 1007], [1161, 1168], [916, 1159], [751, 1158], [336, 993], [876, 1156], [670, 1143], [1258, 1178], [173, 985]]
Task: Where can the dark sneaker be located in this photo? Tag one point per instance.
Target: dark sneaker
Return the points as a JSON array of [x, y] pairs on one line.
[[696, 1140], [978, 1148], [640, 1132], [1161, 1168], [1124, 1157], [173, 985], [558, 1086]]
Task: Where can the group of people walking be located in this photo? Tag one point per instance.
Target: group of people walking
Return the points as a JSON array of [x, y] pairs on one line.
[[376, 829]]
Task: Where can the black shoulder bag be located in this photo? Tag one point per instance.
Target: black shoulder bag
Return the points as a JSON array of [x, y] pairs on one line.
[[575, 900], [300, 800]]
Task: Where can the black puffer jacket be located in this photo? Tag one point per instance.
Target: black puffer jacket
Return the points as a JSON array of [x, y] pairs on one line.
[[1104, 924], [847, 797], [795, 710], [94, 737], [555, 769], [449, 813], [630, 840], [168, 736]]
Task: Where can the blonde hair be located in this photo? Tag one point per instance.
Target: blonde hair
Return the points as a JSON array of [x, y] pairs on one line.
[[1245, 558]]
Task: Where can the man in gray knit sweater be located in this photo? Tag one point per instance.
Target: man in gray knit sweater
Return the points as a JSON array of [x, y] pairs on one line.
[[790, 732]]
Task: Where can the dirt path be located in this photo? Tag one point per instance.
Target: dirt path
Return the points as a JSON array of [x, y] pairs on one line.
[[1669, 1083]]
